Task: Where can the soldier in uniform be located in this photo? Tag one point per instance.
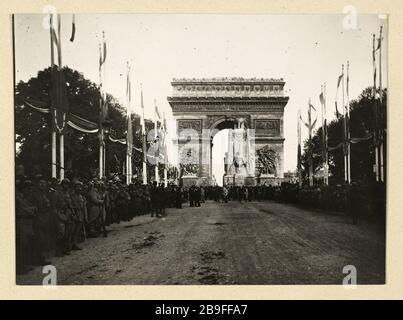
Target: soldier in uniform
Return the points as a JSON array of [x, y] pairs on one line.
[[59, 216], [197, 196], [225, 193], [80, 214], [154, 199], [67, 207], [163, 196], [25, 212], [178, 197], [38, 196], [95, 203], [113, 196], [122, 204]]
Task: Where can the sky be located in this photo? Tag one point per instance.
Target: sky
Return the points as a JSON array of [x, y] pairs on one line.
[[305, 50]]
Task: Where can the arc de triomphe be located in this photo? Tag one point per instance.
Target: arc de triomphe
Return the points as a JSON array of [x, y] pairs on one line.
[[252, 108]]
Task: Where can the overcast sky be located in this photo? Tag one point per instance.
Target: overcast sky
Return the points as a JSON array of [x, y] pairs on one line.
[[305, 50]]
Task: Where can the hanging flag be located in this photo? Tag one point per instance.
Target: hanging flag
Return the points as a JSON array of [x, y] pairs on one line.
[[338, 115], [73, 28], [305, 123], [337, 91], [379, 44], [142, 111], [339, 81], [129, 134], [157, 113], [103, 101], [321, 98], [104, 47]]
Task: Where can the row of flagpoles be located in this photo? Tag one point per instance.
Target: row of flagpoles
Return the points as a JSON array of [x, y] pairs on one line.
[[377, 135], [61, 117]]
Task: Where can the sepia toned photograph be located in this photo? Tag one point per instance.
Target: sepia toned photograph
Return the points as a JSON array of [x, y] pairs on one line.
[[200, 149]]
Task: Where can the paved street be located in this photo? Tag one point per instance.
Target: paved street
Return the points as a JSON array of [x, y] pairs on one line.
[[247, 243]]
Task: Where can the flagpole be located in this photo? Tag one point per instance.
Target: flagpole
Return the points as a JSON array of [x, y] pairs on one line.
[[348, 127], [299, 149], [144, 138], [101, 130], [54, 141], [380, 107], [59, 56], [310, 145], [375, 113], [323, 135], [344, 128], [325, 126], [155, 138], [103, 70], [129, 133]]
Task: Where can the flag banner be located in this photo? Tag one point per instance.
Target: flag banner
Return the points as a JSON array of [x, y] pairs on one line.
[[337, 93], [78, 128], [337, 110], [129, 134], [102, 52], [73, 28], [358, 140], [314, 122], [379, 44], [340, 145], [73, 120], [83, 123], [121, 141], [165, 124], [321, 99], [100, 57], [339, 81]]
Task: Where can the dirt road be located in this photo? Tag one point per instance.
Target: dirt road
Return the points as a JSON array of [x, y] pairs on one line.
[[234, 243]]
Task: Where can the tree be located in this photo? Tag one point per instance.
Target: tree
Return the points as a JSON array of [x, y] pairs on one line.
[[362, 154], [33, 129]]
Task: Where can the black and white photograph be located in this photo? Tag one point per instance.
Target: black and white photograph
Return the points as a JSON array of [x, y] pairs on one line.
[[200, 149]]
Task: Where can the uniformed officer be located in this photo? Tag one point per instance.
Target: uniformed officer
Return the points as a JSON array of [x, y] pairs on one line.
[[67, 208], [38, 196], [80, 214]]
